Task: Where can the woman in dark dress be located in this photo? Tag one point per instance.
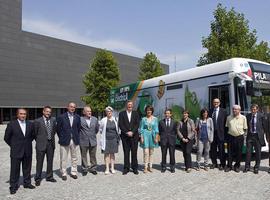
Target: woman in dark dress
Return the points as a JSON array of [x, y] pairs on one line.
[[109, 139]]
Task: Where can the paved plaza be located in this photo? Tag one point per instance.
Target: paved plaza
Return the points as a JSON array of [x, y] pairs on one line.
[[180, 185]]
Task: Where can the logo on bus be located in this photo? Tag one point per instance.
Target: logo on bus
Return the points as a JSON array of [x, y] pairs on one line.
[[261, 77], [121, 97], [124, 89]]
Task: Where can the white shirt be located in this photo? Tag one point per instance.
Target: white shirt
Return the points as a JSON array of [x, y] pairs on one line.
[[88, 121], [129, 115], [23, 126], [71, 117], [45, 120], [168, 121], [217, 111]]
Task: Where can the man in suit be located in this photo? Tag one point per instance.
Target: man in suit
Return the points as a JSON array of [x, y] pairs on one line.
[[168, 132], [255, 137], [88, 141], [45, 129], [68, 131], [19, 135], [129, 122], [267, 131], [218, 115]]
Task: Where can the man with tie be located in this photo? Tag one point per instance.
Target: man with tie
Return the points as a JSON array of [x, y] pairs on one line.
[[68, 131], [168, 132], [45, 129], [237, 127], [255, 137], [129, 122], [217, 146], [88, 141], [267, 130], [19, 135]]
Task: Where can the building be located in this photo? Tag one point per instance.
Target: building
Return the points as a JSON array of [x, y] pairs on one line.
[[37, 70]]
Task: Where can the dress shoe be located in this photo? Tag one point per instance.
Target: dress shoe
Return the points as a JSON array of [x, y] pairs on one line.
[[51, 180], [125, 172], [12, 191], [163, 170], [269, 171], [29, 186], [94, 172], [145, 170], [206, 168], [246, 170], [227, 169], [237, 169], [84, 173], [172, 170], [37, 183], [135, 172], [74, 176], [256, 171], [213, 166], [221, 167], [150, 169], [64, 178], [188, 170]]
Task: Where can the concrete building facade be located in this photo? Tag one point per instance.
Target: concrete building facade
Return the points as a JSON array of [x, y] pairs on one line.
[[37, 70]]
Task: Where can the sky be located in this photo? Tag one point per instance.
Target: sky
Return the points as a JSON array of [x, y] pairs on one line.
[[172, 29]]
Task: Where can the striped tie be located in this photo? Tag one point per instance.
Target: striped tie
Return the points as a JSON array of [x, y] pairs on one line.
[[49, 131]]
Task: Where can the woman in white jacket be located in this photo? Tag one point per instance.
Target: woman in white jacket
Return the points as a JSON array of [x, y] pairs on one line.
[[109, 139], [205, 130]]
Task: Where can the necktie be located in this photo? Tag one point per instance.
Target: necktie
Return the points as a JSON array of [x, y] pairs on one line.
[[167, 122], [253, 124], [214, 116], [49, 131]]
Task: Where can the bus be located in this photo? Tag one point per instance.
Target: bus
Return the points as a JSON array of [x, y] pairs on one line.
[[239, 81]]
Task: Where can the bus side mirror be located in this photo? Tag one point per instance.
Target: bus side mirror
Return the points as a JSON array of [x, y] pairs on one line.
[[249, 88]]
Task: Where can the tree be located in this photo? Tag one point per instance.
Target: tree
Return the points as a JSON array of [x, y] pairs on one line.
[[230, 37], [150, 67], [102, 76]]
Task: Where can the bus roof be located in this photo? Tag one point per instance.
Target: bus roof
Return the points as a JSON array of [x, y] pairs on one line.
[[236, 65]]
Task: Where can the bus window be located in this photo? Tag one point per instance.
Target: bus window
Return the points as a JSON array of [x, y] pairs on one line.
[[240, 95], [221, 92], [225, 98]]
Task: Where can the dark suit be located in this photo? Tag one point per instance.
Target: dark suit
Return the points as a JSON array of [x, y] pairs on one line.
[[167, 141], [44, 146], [20, 151], [129, 143], [255, 139], [267, 131], [217, 146], [65, 132]]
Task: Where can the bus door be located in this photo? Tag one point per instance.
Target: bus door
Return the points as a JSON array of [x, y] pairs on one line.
[[221, 92]]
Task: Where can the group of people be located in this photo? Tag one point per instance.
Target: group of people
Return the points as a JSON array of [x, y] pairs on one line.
[[209, 133]]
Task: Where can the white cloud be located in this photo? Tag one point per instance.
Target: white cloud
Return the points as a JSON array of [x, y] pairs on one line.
[[60, 31]]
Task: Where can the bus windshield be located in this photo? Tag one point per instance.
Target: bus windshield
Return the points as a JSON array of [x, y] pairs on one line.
[[261, 86]]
